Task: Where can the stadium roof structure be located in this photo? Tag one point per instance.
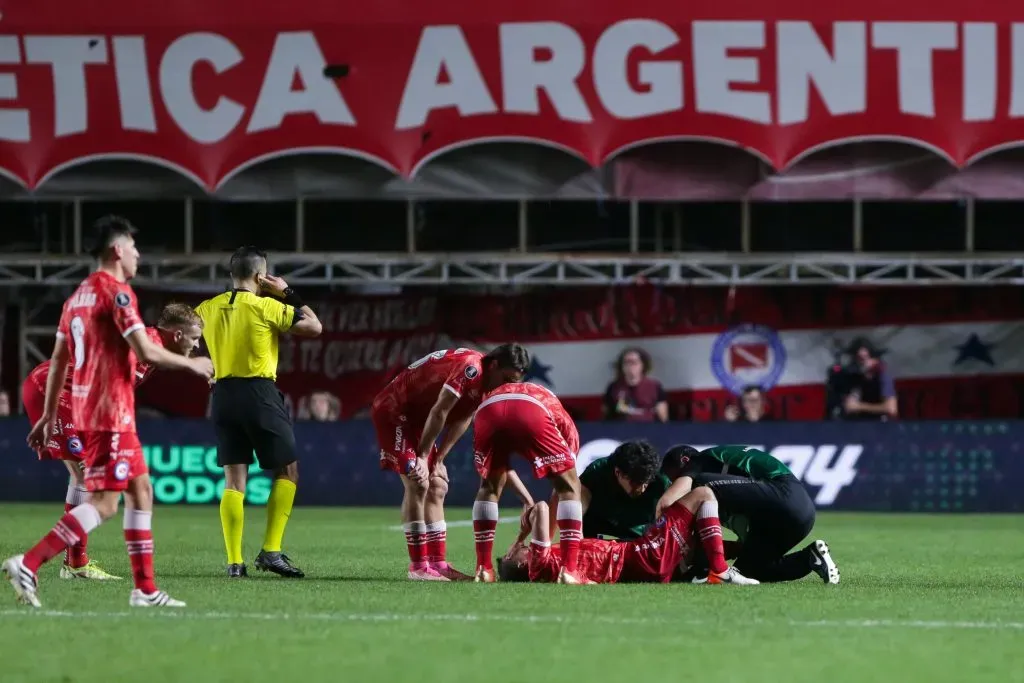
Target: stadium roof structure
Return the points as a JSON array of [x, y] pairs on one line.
[[703, 269]]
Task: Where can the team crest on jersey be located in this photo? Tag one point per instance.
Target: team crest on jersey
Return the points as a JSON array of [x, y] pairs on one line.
[[747, 355], [122, 299], [471, 372], [75, 445], [121, 470]]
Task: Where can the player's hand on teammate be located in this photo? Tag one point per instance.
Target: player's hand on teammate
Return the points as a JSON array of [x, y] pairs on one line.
[[202, 366], [273, 285], [660, 508], [40, 432]]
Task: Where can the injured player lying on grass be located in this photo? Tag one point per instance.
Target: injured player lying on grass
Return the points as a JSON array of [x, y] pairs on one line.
[[661, 555]]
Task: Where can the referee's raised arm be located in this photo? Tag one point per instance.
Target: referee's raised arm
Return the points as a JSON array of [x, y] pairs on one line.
[[242, 329]]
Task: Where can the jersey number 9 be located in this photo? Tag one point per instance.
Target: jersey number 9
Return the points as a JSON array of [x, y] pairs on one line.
[[78, 335]]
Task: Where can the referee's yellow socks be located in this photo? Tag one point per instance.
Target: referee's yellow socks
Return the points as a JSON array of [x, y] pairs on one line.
[[232, 518], [279, 509]]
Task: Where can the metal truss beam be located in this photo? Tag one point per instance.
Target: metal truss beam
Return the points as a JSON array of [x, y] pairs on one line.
[[542, 269]]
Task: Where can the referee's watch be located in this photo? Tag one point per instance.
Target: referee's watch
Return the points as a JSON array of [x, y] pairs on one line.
[[290, 297]]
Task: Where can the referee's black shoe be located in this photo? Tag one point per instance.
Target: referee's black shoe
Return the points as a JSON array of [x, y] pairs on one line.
[[237, 571], [279, 564]]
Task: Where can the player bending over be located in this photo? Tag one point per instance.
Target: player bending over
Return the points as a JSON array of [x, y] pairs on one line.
[[440, 390], [102, 331], [178, 330], [527, 419], [659, 556], [762, 502]]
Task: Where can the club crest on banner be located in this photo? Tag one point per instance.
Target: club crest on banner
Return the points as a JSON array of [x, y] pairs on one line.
[[748, 355]]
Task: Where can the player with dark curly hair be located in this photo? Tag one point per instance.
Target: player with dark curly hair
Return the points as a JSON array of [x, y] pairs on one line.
[[620, 493]]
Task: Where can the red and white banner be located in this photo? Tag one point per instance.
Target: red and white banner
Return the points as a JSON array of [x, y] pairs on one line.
[[953, 352], [209, 89]]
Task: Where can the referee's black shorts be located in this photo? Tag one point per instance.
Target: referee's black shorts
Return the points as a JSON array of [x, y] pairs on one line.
[[249, 415]]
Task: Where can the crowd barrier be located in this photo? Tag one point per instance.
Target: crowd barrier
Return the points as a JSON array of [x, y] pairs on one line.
[[905, 466]]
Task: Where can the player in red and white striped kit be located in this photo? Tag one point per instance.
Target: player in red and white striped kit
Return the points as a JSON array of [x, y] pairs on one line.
[[527, 419], [438, 392], [178, 330], [101, 332]]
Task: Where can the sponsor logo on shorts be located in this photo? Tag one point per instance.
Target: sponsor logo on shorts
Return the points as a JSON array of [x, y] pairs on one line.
[[747, 355], [122, 299], [399, 440], [471, 372], [387, 457], [121, 470], [546, 460], [75, 445]]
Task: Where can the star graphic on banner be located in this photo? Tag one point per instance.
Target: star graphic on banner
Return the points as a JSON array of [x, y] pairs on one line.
[[538, 370], [974, 349]]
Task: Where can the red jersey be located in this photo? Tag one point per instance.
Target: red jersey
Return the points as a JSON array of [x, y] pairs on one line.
[[142, 370], [549, 402], [657, 556], [96, 320], [415, 390], [600, 561], [40, 372]]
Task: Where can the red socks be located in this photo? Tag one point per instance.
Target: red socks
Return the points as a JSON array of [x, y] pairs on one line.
[[138, 537], [76, 555], [416, 542], [709, 527], [72, 528], [437, 541], [485, 521], [570, 532]]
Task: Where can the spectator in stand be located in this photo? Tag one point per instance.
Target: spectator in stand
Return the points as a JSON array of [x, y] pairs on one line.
[[634, 396], [324, 407], [871, 394], [751, 407], [5, 404]]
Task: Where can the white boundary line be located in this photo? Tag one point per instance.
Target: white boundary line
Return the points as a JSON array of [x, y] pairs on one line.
[[342, 617]]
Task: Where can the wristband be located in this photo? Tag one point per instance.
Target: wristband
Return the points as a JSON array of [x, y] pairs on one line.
[[291, 298]]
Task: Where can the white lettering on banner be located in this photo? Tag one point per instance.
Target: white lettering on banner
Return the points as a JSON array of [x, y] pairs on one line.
[[523, 75], [663, 79], [67, 57], [915, 42], [216, 86], [443, 47], [297, 54], [832, 479], [14, 123], [1017, 72], [134, 90], [715, 71], [812, 465], [840, 78], [202, 125], [980, 65]]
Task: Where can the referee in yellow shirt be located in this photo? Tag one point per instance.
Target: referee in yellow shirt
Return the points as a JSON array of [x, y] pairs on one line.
[[242, 329]]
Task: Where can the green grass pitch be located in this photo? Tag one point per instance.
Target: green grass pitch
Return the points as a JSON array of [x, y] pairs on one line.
[[924, 598]]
